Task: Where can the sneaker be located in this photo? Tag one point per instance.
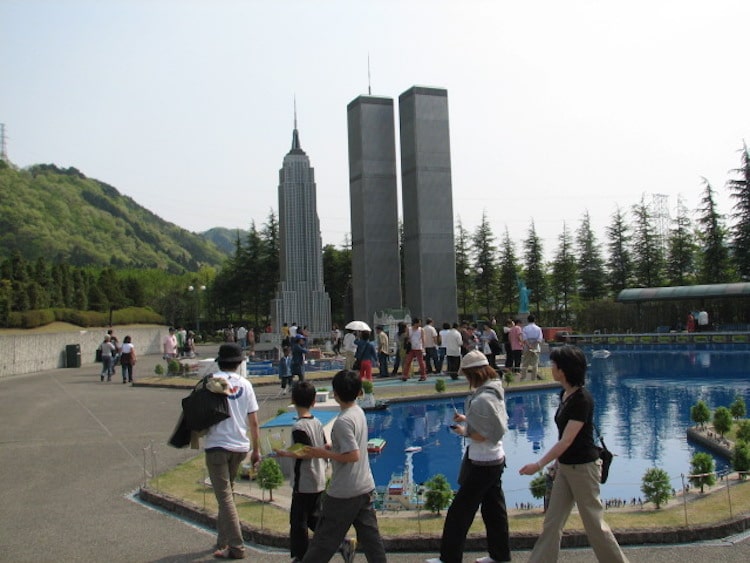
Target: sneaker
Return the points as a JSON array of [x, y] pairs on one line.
[[348, 549], [486, 560]]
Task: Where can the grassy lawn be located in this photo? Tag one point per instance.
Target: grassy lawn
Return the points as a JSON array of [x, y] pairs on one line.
[[186, 482]]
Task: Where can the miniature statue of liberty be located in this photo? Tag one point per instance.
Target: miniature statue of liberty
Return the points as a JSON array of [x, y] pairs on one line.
[[523, 296]]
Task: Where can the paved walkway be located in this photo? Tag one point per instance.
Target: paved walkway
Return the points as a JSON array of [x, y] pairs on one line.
[[72, 452]]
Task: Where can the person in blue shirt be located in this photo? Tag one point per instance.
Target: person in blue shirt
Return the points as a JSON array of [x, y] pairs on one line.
[[285, 370], [298, 356], [366, 355]]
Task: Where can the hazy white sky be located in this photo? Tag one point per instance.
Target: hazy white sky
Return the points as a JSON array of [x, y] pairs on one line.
[[555, 107]]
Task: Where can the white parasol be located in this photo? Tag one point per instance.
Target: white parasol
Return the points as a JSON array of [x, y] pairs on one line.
[[358, 325]]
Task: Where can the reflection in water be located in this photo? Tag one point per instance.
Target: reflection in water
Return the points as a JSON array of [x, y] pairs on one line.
[[643, 409]]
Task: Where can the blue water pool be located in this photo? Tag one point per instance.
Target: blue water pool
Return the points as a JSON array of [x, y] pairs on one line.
[[643, 410]]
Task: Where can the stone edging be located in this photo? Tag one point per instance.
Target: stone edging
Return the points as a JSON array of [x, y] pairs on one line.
[[475, 542]]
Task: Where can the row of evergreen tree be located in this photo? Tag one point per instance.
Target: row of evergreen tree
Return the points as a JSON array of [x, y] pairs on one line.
[[710, 249]]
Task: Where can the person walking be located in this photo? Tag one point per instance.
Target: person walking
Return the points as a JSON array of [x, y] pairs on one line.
[[285, 371], [365, 355], [226, 447], [453, 343], [402, 335], [516, 345], [430, 347], [416, 350], [298, 356], [350, 348], [127, 359], [308, 476], [108, 358], [349, 498], [578, 467], [480, 478], [532, 337], [383, 351]]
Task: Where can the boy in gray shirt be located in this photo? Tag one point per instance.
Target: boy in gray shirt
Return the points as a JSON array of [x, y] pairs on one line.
[[348, 500]]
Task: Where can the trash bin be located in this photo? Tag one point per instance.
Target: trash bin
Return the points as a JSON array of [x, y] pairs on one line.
[[73, 356]]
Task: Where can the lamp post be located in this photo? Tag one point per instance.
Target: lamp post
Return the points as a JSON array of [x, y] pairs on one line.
[[467, 274], [200, 289]]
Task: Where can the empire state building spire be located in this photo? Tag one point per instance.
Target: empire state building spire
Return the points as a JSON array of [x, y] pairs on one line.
[[296, 147]]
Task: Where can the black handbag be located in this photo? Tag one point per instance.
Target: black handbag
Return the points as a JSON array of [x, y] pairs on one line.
[[605, 455], [203, 408]]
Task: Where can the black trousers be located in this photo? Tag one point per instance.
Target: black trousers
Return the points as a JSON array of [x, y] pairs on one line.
[[480, 484], [303, 516]]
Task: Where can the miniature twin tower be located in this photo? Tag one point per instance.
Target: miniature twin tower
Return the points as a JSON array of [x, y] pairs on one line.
[[427, 204]]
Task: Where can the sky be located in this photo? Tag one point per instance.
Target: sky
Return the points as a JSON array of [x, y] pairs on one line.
[[556, 108]]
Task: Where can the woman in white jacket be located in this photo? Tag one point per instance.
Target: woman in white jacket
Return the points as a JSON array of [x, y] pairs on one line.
[[480, 478]]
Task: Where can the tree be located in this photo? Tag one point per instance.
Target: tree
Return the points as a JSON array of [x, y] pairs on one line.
[[722, 420], [463, 265], [738, 408], [564, 277], [269, 475], [508, 283], [681, 249], [538, 485], [740, 192], [699, 413], [713, 263], [534, 273], [591, 277], [483, 241], [702, 468], [438, 494], [741, 459], [647, 248], [743, 431], [655, 486], [620, 262]]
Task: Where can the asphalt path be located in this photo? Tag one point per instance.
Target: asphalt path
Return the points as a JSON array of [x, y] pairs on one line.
[[72, 455]]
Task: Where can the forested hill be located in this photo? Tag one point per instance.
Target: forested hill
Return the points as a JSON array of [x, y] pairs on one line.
[[59, 214]]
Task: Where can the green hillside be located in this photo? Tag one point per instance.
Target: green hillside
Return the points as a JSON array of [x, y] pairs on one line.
[[60, 214], [225, 239]]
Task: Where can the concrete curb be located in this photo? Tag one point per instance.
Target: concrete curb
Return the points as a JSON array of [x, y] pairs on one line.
[[474, 542]]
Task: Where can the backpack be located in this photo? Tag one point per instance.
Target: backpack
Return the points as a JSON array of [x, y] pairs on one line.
[[205, 407]]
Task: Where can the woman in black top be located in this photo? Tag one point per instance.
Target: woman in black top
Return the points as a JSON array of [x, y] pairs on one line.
[[578, 465]]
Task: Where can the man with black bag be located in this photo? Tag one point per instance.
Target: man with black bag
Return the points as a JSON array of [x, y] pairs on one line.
[[227, 446]]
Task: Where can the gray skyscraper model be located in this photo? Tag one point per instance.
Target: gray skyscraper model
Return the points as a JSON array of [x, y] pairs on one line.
[[373, 196], [427, 199], [301, 296]]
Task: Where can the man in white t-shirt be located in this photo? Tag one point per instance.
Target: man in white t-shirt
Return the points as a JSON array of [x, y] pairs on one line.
[[350, 348], [416, 343], [227, 445], [532, 338], [430, 347]]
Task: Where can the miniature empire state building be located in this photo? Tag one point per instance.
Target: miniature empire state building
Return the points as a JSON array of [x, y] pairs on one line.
[[301, 296]]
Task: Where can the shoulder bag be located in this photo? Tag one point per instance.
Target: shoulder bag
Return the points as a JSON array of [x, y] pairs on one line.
[[605, 455]]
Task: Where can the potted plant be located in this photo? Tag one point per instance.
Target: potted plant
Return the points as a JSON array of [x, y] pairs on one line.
[[369, 397]]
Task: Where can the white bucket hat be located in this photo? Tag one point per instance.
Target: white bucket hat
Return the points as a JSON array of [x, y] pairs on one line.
[[473, 359]]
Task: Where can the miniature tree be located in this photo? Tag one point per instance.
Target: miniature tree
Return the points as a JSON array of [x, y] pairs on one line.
[[743, 431], [538, 485], [655, 486], [702, 468], [173, 367], [738, 408], [367, 387], [269, 475], [438, 495], [722, 420], [741, 459], [699, 413], [440, 385], [508, 377], [159, 369]]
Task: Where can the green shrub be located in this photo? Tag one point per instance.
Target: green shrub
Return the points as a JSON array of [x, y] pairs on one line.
[[440, 385], [367, 386], [173, 367], [159, 369]]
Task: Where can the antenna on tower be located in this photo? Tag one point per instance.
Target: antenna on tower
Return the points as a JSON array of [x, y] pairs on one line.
[[3, 144], [295, 111], [369, 84]]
